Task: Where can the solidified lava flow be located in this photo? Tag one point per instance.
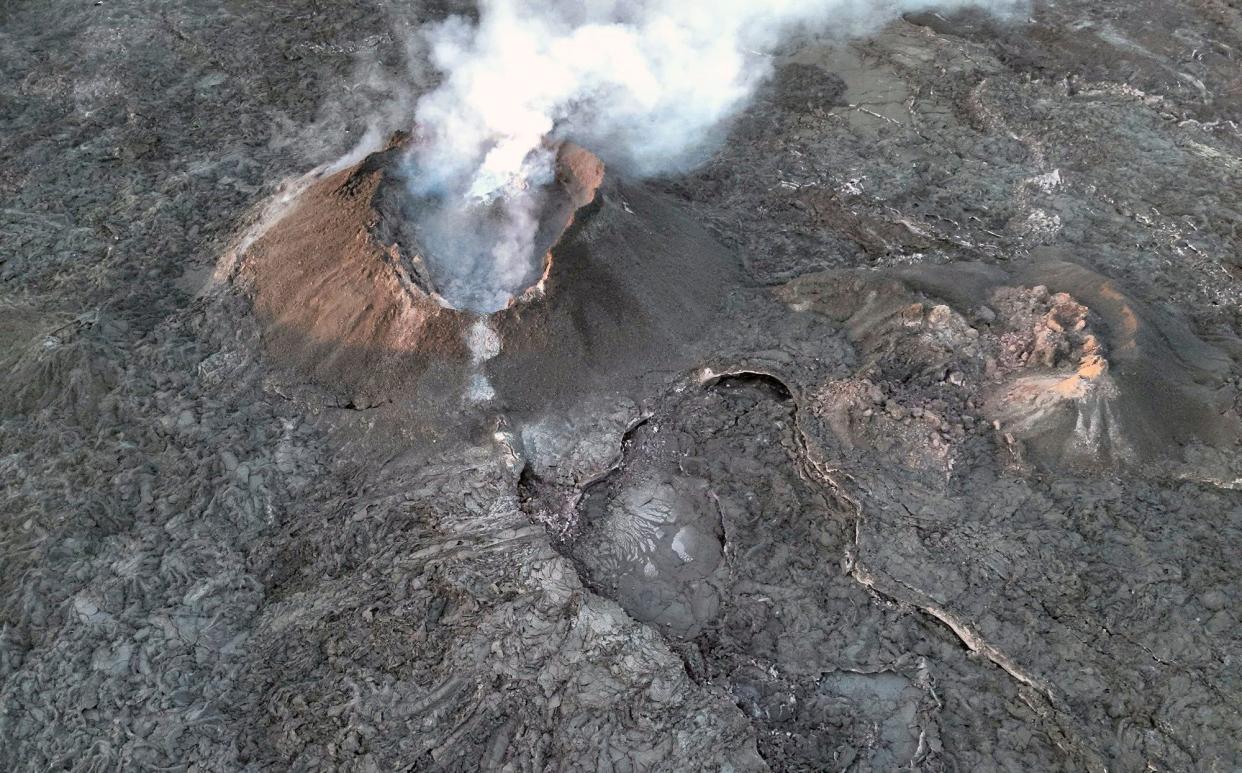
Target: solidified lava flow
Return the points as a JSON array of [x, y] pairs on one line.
[[879, 409]]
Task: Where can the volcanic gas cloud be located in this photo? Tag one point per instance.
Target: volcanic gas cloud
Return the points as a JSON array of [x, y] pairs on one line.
[[648, 85]]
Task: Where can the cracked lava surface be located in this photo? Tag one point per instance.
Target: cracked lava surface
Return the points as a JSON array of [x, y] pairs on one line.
[[904, 433]]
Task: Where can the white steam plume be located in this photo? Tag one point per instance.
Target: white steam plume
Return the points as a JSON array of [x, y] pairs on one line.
[[642, 83]]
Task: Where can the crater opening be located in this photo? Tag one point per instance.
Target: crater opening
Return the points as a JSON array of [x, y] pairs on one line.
[[482, 255]]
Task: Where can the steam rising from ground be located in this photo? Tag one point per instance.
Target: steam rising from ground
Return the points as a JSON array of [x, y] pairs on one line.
[[481, 251], [648, 85]]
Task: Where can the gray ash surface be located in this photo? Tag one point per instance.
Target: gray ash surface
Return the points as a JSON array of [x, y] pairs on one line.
[[925, 456]]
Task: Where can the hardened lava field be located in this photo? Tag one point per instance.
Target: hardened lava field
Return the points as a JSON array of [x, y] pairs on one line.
[[805, 386]]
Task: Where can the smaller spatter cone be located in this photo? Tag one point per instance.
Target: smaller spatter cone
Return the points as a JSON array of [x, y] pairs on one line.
[[1107, 380], [342, 291], [1068, 368], [1056, 378]]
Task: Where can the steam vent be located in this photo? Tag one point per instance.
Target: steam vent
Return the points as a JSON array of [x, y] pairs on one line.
[[668, 386]]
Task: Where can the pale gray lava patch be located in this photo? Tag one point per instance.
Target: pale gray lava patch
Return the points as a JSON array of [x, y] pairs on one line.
[[654, 542], [653, 535]]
